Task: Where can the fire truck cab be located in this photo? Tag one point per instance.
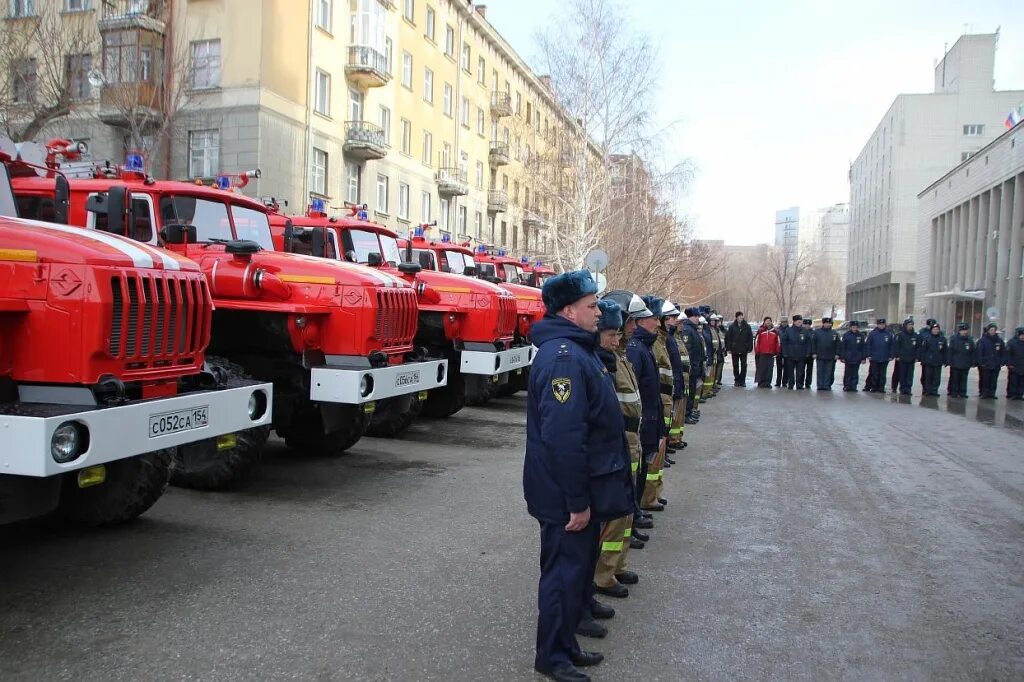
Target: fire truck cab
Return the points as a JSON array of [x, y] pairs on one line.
[[536, 273]]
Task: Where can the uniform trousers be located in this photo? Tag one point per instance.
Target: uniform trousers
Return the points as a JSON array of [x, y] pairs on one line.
[[780, 369], [808, 371], [764, 365], [739, 367], [826, 373], [567, 563], [1015, 385], [931, 378], [677, 427], [851, 376], [616, 534], [903, 377], [709, 383], [719, 370], [957, 384], [691, 393], [876, 376], [987, 380]]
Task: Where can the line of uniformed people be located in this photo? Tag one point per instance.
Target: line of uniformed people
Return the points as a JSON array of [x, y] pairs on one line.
[[612, 387]]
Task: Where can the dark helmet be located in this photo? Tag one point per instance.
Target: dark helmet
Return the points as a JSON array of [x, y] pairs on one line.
[[1019, 330]]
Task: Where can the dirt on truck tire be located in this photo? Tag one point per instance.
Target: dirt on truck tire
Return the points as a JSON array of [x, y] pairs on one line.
[[130, 488]]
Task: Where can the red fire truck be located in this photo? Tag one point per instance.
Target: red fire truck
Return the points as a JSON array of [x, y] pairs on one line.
[[469, 322], [536, 273], [334, 338], [102, 344]]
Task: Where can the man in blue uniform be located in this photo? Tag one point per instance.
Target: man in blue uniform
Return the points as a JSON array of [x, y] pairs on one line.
[[640, 353], [991, 352], [1015, 365], [905, 349], [694, 342], [796, 344], [934, 354], [879, 352], [962, 356], [824, 345], [809, 358], [576, 472], [922, 334], [851, 354]]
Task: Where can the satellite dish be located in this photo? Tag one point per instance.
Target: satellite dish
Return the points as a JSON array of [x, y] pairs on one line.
[[597, 260], [96, 78], [992, 313], [35, 154], [601, 281]]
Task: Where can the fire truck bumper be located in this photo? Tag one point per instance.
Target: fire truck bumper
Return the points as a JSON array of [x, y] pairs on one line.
[[357, 386], [38, 439], [497, 362]]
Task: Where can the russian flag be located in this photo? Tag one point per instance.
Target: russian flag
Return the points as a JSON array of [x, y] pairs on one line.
[[1013, 118]]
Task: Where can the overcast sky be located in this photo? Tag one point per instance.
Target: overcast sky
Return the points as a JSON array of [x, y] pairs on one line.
[[772, 100]]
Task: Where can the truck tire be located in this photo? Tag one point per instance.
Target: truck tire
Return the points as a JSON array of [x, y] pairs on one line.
[[131, 487], [445, 401], [206, 464], [306, 433], [480, 389], [394, 416]]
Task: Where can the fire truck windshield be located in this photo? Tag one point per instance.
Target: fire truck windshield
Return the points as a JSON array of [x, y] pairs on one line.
[[487, 270], [513, 274], [211, 219], [365, 242], [458, 261], [425, 259]]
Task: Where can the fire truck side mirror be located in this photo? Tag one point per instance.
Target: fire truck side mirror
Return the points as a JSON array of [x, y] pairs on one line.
[[373, 259], [114, 205], [350, 256], [61, 200], [470, 271], [318, 242], [177, 233], [289, 235], [409, 268]]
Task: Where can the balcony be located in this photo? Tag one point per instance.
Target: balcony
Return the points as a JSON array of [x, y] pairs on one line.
[[138, 104], [498, 154], [452, 182], [497, 201], [364, 141], [501, 104], [366, 67], [533, 219], [119, 15]]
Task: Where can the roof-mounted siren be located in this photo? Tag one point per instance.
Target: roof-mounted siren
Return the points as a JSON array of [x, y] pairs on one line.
[[226, 181], [446, 238], [358, 211], [317, 208], [63, 149], [525, 260], [502, 252]]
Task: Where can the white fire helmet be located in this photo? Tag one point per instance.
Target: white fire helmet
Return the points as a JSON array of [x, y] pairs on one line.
[[669, 309], [637, 309]]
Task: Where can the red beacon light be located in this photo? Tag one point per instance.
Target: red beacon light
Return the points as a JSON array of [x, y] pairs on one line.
[[358, 211]]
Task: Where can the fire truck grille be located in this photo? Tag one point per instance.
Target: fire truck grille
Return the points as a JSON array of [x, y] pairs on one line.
[[396, 317], [158, 316], [506, 315]]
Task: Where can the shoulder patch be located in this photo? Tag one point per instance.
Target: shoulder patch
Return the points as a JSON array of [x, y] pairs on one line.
[[561, 388]]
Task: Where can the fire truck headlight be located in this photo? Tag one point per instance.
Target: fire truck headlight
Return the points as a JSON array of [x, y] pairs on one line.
[[366, 385], [257, 405], [69, 440]]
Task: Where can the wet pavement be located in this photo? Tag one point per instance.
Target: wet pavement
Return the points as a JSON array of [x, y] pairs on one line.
[[808, 536]]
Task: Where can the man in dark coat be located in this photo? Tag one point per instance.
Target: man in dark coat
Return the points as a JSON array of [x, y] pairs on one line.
[[933, 353], [1015, 365], [904, 349], [780, 359], [809, 359], [991, 358], [824, 347], [739, 341], [796, 344], [852, 354], [922, 334], [879, 353], [962, 356], [640, 351], [576, 472], [694, 342]]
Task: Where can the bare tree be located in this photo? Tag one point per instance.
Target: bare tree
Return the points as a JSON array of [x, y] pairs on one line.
[[783, 275], [44, 63]]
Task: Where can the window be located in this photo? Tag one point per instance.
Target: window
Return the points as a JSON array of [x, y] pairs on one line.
[[443, 220], [318, 182], [23, 76], [446, 103], [479, 175], [23, 8], [78, 66], [403, 201], [203, 153], [382, 193], [355, 105], [462, 220], [323, 14], [428, 30], [519, 103], [481, 71], [494, 80], [123, 60], [389, 51], [519, 148], [966, 155], [449, 41], [409, 10], [478, 224], [407, 70], [481, 125], [385, 124], [428, 147], [974, 129], [425, 207], [406, 136], [205, 64], [352, 182], [77, 5], [446, 155], [466, 56], [529, 113], [464, 117], [428, 86], [322, 96]]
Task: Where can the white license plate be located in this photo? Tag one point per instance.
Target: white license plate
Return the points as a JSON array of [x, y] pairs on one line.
[[182, 420], [407, 379]]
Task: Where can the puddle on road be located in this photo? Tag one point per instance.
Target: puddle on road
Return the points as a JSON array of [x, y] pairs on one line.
[[1002, 413]]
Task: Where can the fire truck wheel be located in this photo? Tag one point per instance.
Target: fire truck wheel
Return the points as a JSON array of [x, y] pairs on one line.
[[224, 462], [307, 433], [445, 401], [480, 389], [131, 487], [394, 416]]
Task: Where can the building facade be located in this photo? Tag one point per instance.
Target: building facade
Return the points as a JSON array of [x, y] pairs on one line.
[[417, 108], [833, 237], [919, 139], [787, 231], [971, 239]]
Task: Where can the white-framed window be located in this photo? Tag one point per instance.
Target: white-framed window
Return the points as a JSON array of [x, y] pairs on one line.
[[205, 63], [409, 10], [77, 6], [324, 10], [462, 220], [428, 25], [446, 100], [449, 41], [352, 182], [425, 207], [466, 58], [479, 175], [974, 129], [322, 95], [428, 147], [203, 153], [478, 224], [389, 52], [444, 219], [481, 122], [464, 113], [382, 193], [406, 127], [403, 200], [318, 179], [407, 70], [519, 103], [428, 86], [23, 8], [385, 123], [481, 71], [446, 155], [355, 105]]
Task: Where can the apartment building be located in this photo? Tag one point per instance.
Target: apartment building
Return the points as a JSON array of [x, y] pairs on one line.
[[417, 108]]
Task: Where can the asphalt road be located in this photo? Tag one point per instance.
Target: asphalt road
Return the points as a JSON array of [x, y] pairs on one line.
[[808, 536]]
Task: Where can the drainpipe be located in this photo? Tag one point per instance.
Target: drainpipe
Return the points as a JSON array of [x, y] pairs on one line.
[[310, 92], [457, 118]]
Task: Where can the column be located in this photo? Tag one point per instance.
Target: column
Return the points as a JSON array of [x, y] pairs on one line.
[[967, 257], [1002, 248], [933, 256], [993, 224], [1010, 306], [978, 281]]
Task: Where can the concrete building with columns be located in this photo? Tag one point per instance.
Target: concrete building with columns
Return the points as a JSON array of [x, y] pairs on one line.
[[920, 137], [970, 242]]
